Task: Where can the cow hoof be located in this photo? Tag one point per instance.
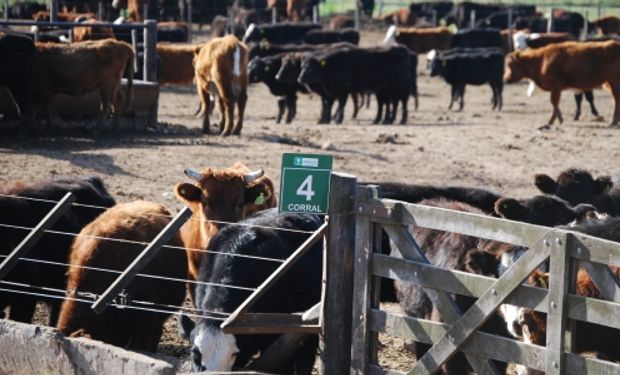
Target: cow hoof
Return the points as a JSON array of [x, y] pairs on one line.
[[545, 127]]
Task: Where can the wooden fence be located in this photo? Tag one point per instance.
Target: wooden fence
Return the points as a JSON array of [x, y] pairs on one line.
[[566, 251]]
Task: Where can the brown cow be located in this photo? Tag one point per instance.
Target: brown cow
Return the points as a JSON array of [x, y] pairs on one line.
[[220, 195], [340, 21], [400, 17], [81, 34], [79, 68], [221, 69], [609, 25], [420, 40], [294, 9], [63, 16], [176, 63], [135, 8], [126, 327], [557, 67]]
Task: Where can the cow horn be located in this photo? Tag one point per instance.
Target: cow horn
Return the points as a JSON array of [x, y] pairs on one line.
[[250, 177], [193, 174]]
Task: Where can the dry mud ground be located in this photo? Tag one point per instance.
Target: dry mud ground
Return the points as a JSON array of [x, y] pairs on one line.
[[477, 147]]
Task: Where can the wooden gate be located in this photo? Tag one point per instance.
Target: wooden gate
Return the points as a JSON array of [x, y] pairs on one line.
[[566, 251]]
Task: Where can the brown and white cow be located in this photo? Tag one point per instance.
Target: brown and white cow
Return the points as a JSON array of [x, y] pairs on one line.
[[220, 196], [134, 329], [221, 69], [176, 63], [78, 68], [420, 40], [557, 67]]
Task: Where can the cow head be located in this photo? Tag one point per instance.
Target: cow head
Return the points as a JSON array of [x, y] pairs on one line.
[[258, 69], [514, 69], [544, 210], [290, 68], [574, 185], [225, 194], [311, 70], [212, 349]]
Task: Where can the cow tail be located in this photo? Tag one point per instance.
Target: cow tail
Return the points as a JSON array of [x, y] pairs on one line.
[[130, 73]]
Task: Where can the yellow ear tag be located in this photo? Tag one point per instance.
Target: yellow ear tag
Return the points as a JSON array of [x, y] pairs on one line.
[[260, 199], [323, 62]]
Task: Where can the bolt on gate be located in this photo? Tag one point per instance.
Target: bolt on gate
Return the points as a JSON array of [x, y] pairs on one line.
[[566, 251]]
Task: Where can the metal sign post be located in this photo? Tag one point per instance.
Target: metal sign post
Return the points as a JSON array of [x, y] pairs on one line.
[[304, 183]]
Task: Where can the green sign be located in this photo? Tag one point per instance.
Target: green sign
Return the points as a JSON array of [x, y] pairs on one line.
[[304, 183]]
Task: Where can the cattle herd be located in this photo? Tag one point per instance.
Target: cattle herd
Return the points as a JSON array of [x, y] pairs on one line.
[[236, 237]]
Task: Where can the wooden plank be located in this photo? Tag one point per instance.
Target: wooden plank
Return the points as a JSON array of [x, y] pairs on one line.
[[255, 328], [595, 249], [606, 282], [36, 234], [360, 334], [594, 311], [275, 276], [488, 345], [286, 345], [480, 311], [377, 370], [337, 292], [452, 281], [150, 51], [444, 303], [141, 260], [559, 280], [578, 365], [269, 318], [458, 222]]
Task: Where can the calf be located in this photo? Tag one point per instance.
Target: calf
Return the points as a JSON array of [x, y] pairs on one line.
[[544, 210], [221, 69], [176, 63], [133, 329], [420, 40], [218, 197], [332, 36], [578, 186], [476, 38], [281, 33], [264, 69], [16, 70], [355, 70], [24, 205], [475, 66], [608, 25], [557, 67], [79, 68], [298, 290]]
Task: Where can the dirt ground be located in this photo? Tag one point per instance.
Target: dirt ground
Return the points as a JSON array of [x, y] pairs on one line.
[[477, 147]]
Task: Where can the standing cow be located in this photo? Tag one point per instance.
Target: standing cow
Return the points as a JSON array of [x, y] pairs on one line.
[[16, 69], [221, 69], [79, 68]]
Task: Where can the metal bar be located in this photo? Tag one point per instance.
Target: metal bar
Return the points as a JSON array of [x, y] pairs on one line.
[[35, 235], [274, 15], [134, 44], [142, 260], [150, 51], [472, 19], [275, 276], [357, 16], [53, 10], [189, 20], [72, 24], [315, 14], [6, 10], [550, 22]]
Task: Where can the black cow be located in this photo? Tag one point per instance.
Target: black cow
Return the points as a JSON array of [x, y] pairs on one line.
[[476, 38], [25, 10], [578, 186], [332, 36], [298, 290], [282, 33], [563, 21], [263, 49], [499, 20], [476, 66], [546, 210], [430, 10], [460, 15], [386, 71], [264, 69], [366, 6], [52, 247], [16, 64]]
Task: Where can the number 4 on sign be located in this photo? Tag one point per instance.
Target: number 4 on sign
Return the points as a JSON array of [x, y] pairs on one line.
[[305, 189]]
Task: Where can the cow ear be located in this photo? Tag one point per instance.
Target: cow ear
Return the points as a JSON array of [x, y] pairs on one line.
[[481, 262], [258, 194], [545, 184], [188, 192], [186, 326], [509, 208], [602, 185], [584, 211]]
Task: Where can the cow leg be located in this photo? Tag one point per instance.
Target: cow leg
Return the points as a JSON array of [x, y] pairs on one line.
[[390, 111], [291, 103], [356, 104], [379, 110], [590, 98], [342, 101], [615, 90], [329, 103], [578, 100], [453, 96], [555, 101], [403, 119], [281, 108], [205, 103], [462, 97], [500, 90], [241, 101], [228, 115], [107, 95], [118, 107]]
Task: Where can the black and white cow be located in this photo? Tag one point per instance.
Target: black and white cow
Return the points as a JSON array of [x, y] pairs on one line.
[[229, 264]]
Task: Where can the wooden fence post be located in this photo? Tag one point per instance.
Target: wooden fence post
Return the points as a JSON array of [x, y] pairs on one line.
[[335, 340], [364, 242], [150, 51], [142, 260], [35, 235]]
